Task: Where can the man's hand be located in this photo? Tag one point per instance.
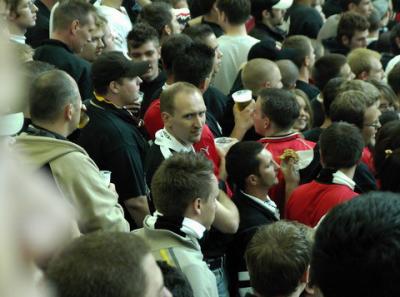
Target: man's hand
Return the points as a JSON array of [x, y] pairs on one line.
[[243, 120]]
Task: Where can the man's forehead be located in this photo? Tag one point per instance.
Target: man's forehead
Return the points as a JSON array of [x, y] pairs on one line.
[[146, 46], [265, 154], [189, 102]]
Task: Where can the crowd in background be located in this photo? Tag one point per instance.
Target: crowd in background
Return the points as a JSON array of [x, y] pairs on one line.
[[199, 148]]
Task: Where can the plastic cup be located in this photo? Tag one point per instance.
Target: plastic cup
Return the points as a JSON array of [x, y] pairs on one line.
[[242, 98], [83, 120], [106, 175], [225, 143]]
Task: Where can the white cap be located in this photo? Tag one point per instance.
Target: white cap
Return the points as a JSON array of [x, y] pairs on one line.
[[11, 124], [283, 4]]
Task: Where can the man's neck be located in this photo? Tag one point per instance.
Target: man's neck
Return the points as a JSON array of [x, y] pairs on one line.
[[149, 80], [57, 128], [327, 122], [232, 30], [275, 132], [257, 192], [60, 36], [349, 172], [115, 100], [304, 74], [266, 23], [16, 30], [186, 145], [112, 3]]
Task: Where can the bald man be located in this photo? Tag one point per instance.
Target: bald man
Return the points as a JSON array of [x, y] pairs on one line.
[[289, 72], [261, 73], [256, 75]]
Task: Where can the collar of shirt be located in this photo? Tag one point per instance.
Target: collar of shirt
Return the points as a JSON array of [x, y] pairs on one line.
[[268, 204]]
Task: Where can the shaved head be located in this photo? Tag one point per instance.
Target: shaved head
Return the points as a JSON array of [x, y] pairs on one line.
[[261, 73]]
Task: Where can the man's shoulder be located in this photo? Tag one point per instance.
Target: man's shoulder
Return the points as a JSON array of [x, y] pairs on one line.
[[58, 54], [38, 150]]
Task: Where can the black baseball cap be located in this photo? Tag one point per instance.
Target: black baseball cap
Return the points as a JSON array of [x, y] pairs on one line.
[[114, 65], [267, 49]]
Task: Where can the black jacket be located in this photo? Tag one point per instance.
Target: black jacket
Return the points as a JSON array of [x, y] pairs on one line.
[[60, 55], [252, 216]]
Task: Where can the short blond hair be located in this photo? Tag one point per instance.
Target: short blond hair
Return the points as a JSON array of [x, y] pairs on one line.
[[359, 60]]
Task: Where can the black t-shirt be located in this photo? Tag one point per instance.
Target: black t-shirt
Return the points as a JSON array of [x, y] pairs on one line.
[[216, 102], [334, 47], [113, 141], [311, 91], [313, 134], [60, 55], [261, 31], [153, 160], [149, 88]]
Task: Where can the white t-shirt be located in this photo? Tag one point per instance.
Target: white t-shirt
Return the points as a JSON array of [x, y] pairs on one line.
[[119, 23], [235, 50]]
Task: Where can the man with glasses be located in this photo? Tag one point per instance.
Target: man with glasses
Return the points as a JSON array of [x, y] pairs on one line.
[[360, 108]]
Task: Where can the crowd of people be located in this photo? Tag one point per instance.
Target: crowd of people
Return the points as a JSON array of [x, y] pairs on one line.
[[131, 165]]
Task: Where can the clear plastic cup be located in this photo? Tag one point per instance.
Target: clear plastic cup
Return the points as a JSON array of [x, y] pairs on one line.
[[242, 98]]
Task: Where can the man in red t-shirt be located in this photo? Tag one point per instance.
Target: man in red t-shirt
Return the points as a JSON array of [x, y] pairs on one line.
[[275, 113], [341, 147]]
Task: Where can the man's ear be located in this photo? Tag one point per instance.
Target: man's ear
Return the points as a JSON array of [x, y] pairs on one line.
[[165, 116], [12, 16], [265, 14], [307, 61], [75, 26], [68, 111], [363, 75], [345, 40], [113, 87], [267, 122], [252, 180], [159, 52], [196, 206], [221, 15], [167, 30]]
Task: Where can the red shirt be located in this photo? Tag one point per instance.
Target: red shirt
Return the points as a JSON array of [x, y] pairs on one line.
[[206, 145], [368, 159], [277, 145], [310, 202]]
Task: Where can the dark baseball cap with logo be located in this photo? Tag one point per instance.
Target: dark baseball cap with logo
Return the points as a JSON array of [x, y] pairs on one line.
[[114, 65]]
